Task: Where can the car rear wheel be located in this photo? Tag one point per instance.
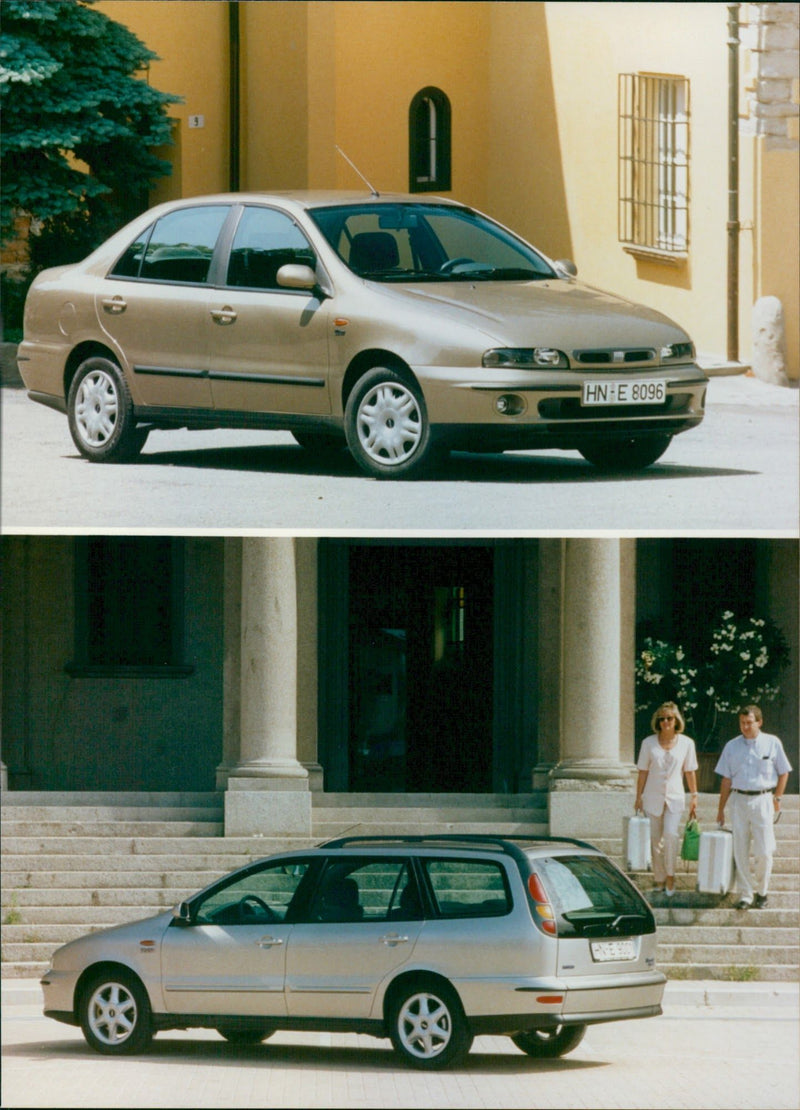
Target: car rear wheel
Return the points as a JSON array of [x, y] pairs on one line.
[[115, 1014], [625, 454], [387, 427], [550, 1042], [100, 412], [245, 1036], [428, 1027]]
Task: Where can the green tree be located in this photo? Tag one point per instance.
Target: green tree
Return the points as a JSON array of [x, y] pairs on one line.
[[79, 126]]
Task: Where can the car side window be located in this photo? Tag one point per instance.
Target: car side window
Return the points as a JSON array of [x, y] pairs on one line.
[[468, 888], [179, 247], [265, 240], [259, 896], [371, 890]]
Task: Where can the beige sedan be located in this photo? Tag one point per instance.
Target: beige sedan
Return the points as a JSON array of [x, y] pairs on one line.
[[396, 326]]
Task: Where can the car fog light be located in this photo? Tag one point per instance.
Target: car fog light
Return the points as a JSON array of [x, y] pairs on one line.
[[509, 404]]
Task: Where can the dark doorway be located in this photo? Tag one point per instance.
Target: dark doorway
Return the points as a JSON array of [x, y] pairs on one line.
[[421, 668]]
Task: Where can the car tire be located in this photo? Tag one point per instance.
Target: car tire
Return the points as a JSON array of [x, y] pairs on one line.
[[427, 1026], [235, 1035], [386, 424], [100, 413], [625, 454], [114, 1013], [550, 1042]]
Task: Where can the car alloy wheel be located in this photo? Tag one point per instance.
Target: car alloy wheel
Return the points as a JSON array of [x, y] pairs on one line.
[[428, 1027], [387, 425], [550, 1042], [115, 1015], [100, 412]]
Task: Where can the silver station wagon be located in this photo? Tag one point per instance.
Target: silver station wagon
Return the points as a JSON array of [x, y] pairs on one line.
[[398, 327], [425, 940]]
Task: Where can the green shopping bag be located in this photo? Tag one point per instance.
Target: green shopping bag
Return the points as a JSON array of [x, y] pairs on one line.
[[690, 848]]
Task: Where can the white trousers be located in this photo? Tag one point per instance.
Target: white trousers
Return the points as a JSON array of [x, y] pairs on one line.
[[664, 842], [752, 823]]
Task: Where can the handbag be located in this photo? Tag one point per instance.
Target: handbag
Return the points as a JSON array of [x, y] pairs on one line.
[[690, 848]]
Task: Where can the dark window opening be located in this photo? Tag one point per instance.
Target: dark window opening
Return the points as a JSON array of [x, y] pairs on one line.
[[429, 141], [129, 605]]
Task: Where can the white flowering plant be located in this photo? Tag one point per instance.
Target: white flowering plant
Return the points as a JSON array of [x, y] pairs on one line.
[[741, 665]]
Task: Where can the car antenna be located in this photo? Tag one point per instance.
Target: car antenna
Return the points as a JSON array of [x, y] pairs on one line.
[[371, 188]]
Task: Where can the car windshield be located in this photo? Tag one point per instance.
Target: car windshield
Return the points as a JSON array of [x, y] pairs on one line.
[[427, 242], [591, 898]]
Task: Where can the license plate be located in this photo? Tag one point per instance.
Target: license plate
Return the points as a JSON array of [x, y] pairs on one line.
[[605, 950], [624, 392]]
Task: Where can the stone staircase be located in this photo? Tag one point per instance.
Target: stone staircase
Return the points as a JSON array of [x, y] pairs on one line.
[[72, 864]]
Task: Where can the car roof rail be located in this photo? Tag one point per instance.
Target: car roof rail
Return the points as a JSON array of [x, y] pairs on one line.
[[510, 844]]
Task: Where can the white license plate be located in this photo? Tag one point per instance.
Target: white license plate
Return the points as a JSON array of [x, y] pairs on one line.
[[624, 392], [604, 950]]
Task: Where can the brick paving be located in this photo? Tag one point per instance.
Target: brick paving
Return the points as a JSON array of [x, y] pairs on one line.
[[718, 1046]]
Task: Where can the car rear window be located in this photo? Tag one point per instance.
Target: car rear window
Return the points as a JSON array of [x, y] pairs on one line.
[[590, 897], [179, 247], [467, 888]]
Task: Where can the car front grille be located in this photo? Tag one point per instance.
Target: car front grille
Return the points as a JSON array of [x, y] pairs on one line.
[[570, 408], [619, 356]]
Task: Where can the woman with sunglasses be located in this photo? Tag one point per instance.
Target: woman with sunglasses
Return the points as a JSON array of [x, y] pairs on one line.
[[664, 759]]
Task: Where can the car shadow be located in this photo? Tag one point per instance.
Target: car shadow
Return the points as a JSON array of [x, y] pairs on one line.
[[378, 1059], [458, 467]]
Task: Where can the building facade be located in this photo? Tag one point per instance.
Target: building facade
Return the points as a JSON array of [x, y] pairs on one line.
[[656, 145], [277, 669]]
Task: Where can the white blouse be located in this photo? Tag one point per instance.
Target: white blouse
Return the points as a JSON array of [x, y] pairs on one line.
[[665, 768]]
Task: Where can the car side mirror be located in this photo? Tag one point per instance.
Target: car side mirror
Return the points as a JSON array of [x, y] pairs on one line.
[[566, 267], [182, 913], [296, 276]]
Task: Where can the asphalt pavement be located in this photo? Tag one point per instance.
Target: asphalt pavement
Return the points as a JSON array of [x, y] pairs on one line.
[[736, 474], [717, 1046]]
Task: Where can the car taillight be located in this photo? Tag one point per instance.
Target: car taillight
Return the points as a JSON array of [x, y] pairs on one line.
[[543, 913]]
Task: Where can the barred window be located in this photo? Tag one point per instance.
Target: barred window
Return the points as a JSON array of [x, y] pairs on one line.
[[654, 163]]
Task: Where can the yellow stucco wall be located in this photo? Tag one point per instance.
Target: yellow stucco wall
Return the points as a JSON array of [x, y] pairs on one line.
[[533, 89]]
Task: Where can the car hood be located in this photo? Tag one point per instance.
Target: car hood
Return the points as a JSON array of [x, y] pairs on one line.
[[147, 928], [556, 313]]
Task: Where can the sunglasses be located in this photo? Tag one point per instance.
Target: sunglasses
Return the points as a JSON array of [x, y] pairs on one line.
[[665, 718]]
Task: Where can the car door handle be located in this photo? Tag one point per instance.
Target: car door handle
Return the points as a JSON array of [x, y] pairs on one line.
[[224, 315], [391, 939], [114, 306], [268, 942]]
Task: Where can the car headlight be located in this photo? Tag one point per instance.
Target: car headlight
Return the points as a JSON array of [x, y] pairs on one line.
[[678, 351], [525, 358]]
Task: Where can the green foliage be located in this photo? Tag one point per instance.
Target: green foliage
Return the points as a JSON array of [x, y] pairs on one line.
[[78, 124], [742, 664]]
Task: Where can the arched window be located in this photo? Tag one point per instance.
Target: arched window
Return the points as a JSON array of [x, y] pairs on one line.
[[429, 141]]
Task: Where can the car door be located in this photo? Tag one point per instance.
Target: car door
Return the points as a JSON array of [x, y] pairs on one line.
[[269, 344], [153, 305], [362, 926], [230, 958]]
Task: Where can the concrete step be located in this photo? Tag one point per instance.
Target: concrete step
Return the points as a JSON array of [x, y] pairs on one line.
[[729, 934], [94, 880], [736, 971], [375, 826], [25, 969], [88, 799], [54, 900], [483, 802], [773, 914], [86, 816], [747, 955], [108, 846], [78, 831]]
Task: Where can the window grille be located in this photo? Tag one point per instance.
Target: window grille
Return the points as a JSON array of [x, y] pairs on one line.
[[654, 162]]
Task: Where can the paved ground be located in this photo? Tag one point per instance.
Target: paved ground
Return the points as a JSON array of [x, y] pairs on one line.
[[735, 474], [730, 1046]]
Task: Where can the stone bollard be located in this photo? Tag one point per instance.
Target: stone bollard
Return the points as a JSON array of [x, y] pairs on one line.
[[769, 341]]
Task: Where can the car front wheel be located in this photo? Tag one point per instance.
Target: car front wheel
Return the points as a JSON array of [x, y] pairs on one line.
[[625, 454], [100, 412], [115, 1014], [550, 1042], [387, 427], [428, 1027]]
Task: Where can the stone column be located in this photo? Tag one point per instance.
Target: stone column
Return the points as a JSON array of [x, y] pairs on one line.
[[591, 788], [307, 652], [549, 605], [232, 658], [268, 789]]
